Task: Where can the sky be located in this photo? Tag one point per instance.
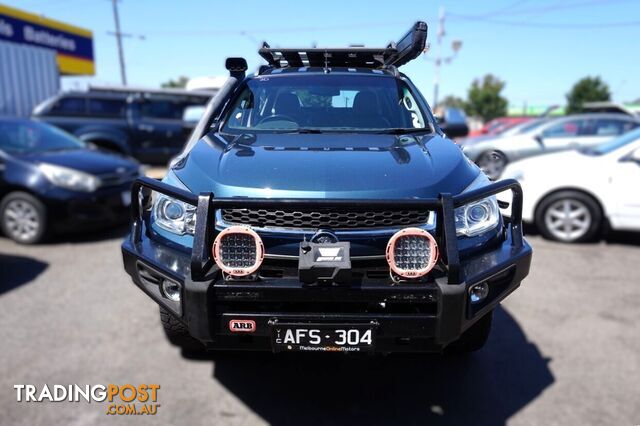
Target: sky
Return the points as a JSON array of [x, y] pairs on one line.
[[538, 47]]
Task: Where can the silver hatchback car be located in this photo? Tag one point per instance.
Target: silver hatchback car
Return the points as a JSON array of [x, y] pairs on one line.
[[492, 154]]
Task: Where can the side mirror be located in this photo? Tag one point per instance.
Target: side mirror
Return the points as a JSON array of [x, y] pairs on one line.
[[454, 123], [634, 156], [539, 139], [455, 130]]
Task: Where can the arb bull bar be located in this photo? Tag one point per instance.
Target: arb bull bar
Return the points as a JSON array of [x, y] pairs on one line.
[[502, 266]]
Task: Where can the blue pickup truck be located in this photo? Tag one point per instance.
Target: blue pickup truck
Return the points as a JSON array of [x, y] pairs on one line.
[[318, 207], [147, 125]]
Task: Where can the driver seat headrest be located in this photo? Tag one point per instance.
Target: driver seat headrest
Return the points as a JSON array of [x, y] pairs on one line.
[[287, 103]]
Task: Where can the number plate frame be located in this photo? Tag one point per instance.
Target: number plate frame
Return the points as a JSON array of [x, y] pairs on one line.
[[328, 334]]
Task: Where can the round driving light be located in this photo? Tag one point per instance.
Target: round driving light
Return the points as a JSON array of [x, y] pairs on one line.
[[412, 252], [238, 251], [171, 290], [478, 292], [173, 210]]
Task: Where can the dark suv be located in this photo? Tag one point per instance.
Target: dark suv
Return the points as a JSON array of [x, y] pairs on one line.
[[148, 126], [318, 207]]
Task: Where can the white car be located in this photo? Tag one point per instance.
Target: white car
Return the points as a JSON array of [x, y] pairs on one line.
[[571, 195], [492, 154]]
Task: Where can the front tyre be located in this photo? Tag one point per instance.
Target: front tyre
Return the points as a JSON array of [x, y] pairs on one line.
[[492, 163], [473, 338], [569, 217], [178, 334], [23, 218]]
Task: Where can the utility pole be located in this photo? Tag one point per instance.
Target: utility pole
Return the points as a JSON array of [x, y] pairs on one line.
[[456, 45], [440, 34], [118, 34]]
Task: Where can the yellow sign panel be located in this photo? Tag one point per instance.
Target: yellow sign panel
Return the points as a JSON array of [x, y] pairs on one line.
[[73, 45]]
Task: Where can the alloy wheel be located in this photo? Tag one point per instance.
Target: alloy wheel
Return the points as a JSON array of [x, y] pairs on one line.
[[568, 219], [21, 220]]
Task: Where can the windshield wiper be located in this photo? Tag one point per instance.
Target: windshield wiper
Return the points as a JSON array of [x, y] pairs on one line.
[[402, 130], [302, 130]]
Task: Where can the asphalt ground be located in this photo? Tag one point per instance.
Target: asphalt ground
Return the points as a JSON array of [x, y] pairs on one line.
[[565, 349]]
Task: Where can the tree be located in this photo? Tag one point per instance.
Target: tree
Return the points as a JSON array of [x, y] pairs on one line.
[[588, 89], [180, 83], [451, 101], [484, 99]]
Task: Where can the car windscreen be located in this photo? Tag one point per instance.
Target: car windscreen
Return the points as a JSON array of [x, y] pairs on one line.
[[616, 143], [325, 102], [20, 137]]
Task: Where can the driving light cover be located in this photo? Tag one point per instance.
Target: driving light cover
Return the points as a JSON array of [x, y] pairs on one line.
[[412, 252], [238, 251], [173, 215], [67, 178]]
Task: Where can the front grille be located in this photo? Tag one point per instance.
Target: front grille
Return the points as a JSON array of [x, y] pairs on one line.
[[324, 219]]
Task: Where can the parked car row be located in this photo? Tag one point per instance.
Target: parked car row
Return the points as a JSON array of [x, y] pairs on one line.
[[535, 137], [51, 181], [78, 174]]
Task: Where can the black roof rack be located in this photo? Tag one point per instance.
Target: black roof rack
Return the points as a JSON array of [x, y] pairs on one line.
[[406, 49]]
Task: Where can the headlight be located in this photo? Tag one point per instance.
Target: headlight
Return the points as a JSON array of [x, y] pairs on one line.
[[72, 179], [173, 215], [479, 216]]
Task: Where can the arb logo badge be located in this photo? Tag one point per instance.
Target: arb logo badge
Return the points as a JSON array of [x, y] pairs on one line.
[[242, 326]]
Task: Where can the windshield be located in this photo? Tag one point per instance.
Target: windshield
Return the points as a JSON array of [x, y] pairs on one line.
[[335, 102], [616, 143], [18, 137]]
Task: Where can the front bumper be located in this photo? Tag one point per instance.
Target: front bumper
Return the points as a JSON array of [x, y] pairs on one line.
[[408, 316], [72, 210]]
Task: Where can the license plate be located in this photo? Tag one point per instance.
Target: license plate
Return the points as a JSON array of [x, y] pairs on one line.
[[125, 196], [323, 337]]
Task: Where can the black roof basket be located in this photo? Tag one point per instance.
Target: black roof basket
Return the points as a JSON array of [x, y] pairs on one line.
[[406, 49]]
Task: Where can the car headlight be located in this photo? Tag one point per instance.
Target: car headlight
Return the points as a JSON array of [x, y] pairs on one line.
[[173, 215], [479, 216], [72, 179]]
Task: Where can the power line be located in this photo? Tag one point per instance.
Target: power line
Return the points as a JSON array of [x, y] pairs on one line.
[[503, 9], [563, 5], [272, 30], [576, 25], [489, 17]]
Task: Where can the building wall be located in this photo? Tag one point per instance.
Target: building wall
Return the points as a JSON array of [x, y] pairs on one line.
[[28, 75]]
